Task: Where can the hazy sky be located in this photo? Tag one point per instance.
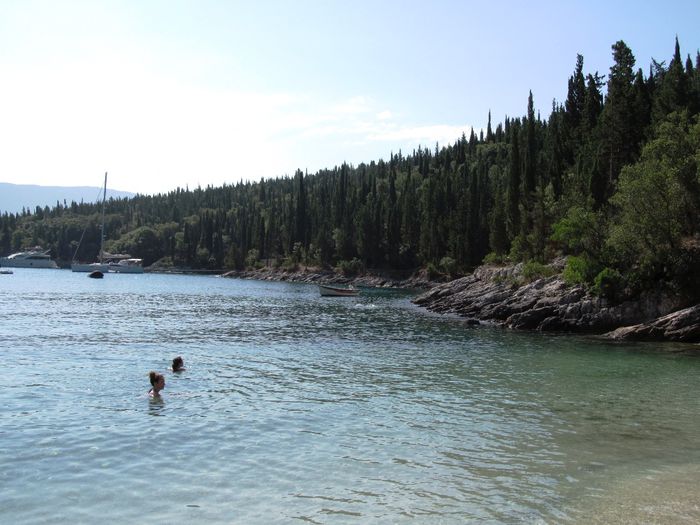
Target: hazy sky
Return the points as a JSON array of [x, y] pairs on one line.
[[169, 93]]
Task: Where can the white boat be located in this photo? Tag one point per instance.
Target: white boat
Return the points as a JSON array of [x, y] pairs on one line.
[[115, 263], [36, 258], [123, 263], [335, 291], [127, 264]]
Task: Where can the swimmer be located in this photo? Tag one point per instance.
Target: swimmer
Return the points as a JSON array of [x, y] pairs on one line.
[[157, 384], [178, 364]]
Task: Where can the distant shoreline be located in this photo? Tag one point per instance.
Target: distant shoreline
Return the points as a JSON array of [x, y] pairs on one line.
[[306, 274]]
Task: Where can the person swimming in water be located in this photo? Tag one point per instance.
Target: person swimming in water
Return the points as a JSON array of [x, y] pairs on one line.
[[157, 383], [178, 364]]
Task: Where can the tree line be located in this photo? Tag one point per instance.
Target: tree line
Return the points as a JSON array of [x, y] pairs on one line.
[[609, 178]]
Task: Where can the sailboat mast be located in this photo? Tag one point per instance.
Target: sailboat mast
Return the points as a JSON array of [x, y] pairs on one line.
[[102, 234]]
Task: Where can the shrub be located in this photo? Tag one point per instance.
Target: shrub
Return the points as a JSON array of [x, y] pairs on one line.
[[580, 270], [289, 264], [533, 270], [252, 258], [433, 272], [608, 283], [448, 265], [518, 249], [494, 258], [352, 267]]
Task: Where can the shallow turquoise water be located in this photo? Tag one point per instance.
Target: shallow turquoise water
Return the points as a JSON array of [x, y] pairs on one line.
[[297, 408]]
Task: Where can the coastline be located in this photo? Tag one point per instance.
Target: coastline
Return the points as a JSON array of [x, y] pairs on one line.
[[306, 274], [501, 295]]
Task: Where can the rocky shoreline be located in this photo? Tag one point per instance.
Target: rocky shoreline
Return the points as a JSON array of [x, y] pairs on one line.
[[499, 295], [373, 279]]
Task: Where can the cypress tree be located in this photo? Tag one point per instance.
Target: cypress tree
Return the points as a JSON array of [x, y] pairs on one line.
[[530, 161], [618, 145], [489, 133], [574, 108], [513, 192]]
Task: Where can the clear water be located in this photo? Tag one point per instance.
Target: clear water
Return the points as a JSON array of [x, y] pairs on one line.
[[297, 408]]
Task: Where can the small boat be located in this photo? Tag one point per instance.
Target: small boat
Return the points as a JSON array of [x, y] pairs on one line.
[[6, 272], [335, 291]]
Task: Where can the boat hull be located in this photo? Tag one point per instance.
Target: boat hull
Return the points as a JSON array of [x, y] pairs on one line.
[[106, 267], [88, 268], [334, 291], [126, 266]]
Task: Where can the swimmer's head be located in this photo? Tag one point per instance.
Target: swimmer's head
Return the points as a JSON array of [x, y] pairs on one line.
[[157, 381], [178, 364]]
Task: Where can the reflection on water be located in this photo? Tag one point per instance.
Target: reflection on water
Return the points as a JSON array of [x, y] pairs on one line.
[[326, 410]]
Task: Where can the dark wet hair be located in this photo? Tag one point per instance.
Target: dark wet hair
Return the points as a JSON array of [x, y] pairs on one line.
[[177, 363], [154, 376]]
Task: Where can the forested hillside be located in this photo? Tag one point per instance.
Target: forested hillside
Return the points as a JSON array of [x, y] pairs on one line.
[[610, 177]]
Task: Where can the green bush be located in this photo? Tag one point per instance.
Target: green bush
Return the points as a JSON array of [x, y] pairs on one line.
[[448, 265], [533, 270], [353, 267], [608, 283], [518, 249], [580, 270], [494, 258], [433, 272], [252, 258]]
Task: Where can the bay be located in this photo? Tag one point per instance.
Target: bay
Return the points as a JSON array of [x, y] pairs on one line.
[[298, 408]]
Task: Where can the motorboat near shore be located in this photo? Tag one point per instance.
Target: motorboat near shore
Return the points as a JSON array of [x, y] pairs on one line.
[[35, 258], [111, 263], [336, 291]]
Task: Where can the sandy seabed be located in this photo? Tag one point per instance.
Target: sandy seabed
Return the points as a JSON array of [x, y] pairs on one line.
[[668, 496]]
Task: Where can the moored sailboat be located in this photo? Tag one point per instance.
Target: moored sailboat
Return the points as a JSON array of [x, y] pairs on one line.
[[116, 263]]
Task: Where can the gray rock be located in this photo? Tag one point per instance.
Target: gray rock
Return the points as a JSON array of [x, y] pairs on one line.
[[498, 294], [682, 325]]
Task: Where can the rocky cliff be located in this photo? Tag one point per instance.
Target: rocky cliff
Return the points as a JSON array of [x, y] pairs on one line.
[[501, 295]]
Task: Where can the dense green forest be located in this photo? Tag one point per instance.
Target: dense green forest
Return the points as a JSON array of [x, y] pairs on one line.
[[610, 178]]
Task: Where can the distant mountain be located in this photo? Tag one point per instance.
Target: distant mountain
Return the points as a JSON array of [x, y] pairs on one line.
[[13, 197]]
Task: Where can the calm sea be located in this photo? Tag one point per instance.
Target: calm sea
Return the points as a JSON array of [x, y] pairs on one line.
[[301, 409]]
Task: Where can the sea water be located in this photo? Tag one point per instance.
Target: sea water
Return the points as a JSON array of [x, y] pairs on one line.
[[301, 408]]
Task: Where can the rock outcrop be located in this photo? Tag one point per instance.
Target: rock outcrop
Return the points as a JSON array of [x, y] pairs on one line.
[[500, 295], [682, 325]]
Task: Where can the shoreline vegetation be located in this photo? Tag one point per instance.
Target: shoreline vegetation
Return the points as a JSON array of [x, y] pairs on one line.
[[372, 279]]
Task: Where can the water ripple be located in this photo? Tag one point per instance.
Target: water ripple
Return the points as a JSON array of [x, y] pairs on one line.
[[295, 407]]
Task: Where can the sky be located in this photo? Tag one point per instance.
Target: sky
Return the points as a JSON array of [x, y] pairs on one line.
[[166, 93]]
